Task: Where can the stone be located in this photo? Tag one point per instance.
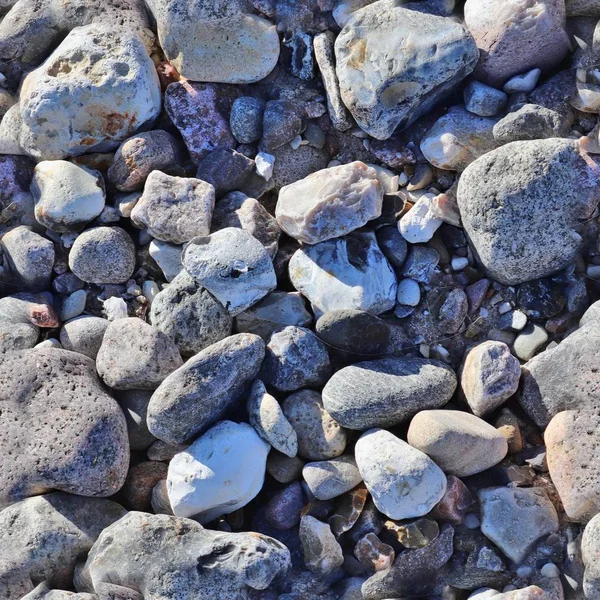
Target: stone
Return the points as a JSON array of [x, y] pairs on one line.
[[141, 154], [136, 355], [513, 37], [295, 358], [351, 507], [373, 554], [521, 207], [590, 550], [181, 555], [135, 407], [419, 224], [329, 479], [205, 483], [43, 592], [530, 122], [515, 518], [16, 201], [66, 196], [95, 61], [322, 553], [226, 170], [266, 416], [18, 336], [320, 437], [246, 119], [283, 468], [199, 393], [409, 292], [167, 257], [460, 443], [293, 164], [189, 315], [45, 536], [387, 391], [416, 534], [420, 263], [483, 100], [457, 139], [282, 122], [140, 482], [524, 82], [73, 305], [233, 266], [54, 393], [83, 334], [541, 298], [216, 41], [404, 482], [329, 203], [103, 255], [349, 272], [529, 341], [382, 85], [490, 376], [455, 502], [514, 320], [284, 510]]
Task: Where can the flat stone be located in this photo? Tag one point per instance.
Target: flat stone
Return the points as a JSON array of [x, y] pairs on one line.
[[226, 170], [529, 341], [530, 122], [329, 479], [83, 334], [420, 263], [322, 553], [483, 100], [415, 534]]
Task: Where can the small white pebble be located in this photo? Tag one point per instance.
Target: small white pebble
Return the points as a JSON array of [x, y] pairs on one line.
[[424, 350], [525, 82], [115, 308], [471, 521], [504, 308], [264, 165], [418, 225], [408, 292], [333, 163], [150, 289], [296, 142], [459, 263], [133, 289], [550, 570], [402, 179], [524, 571], [49, 343]]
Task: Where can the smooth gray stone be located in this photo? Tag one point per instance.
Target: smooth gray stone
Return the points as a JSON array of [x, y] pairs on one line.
[[530, 122], [84, 334], [328, 479]]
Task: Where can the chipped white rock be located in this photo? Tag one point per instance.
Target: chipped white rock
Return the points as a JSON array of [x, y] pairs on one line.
[[167, 257], [329, 203], [115, 308], [387, 178], [523, 83], [419, 224], [264, 165], [409, 292], [220, 472]]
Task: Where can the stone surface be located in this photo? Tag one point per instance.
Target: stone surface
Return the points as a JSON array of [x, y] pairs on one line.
[[135, 407], [167, 257], [328, 479], [283, 120], [453, 506], [483, 100], [284, 510], [55, 393], [460, 443], [199, 393], [403, 482], [385, 87], [590, 555], [373, 554], [226, 170], [529, 341], [388, 391], [204, 481], [83, 334], [283, 468], [415, 534], [530, 122], [141, 480], [246, 119], [322, 553]]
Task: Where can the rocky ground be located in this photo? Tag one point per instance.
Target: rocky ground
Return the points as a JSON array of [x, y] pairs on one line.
[[299, 299]]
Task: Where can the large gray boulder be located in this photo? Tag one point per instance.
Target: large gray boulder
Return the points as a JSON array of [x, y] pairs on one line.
[[522, 206]]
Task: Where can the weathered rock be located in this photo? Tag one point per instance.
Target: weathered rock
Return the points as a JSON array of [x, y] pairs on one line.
[[373, 554], [141, 480], [530, 122], [328, 479], [483, 100], [403, 482], [167, 257], [529, 341], [453, 506], [322, 553], [283, 120], [43, 592], [220, 472], [284, 510], [414, 534], [54, 393], [83, 334], [199, 393], [353, 509], [385, 87], [135, 406], [226, 170], [521, 207], [388, 391], [590, 554], [246, 119], [294, 164], [420, 223]]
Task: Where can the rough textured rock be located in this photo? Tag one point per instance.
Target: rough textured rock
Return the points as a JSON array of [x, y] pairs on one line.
[[246, 119], [521, 207], [55, 392], [284, 509], [167, 257], [388, 391], [16, 201], [322, 552], [385, 87], [141, 480], [530, 122], [196, 395], [83, 334], [590, 554], [328, 479]]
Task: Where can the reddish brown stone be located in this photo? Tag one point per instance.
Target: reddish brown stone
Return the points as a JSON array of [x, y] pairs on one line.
[[348, 509], [455, 502], [140, 481], [373, 554]]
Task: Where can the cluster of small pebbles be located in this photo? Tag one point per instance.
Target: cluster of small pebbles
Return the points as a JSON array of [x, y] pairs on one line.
[[299, 299]]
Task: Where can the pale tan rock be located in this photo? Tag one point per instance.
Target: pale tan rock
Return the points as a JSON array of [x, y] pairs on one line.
[[322, 553]]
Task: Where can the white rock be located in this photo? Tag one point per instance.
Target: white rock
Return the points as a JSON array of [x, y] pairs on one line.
[[459, 263], [264, 165], [409, 292], [167, 257], [150, 290], [115, 308], [419, 224], [523, 83], [404, 482], [387, 178], [220, 472], [329, 203]]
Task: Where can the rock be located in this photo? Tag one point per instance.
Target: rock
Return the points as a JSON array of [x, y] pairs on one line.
[[520, 210], [18, 336], [490, 376], [103, 255], [83, 67], [529, 341], [182, 555], [141, 154], [419, 224], [16, 201], [167, 257], [515, 320], [226, 170], [83, 334], [135, 406], [205, 483], [541, 298], [66, 196], [233, 266], [403, 482], [45, 536], [266, 416], [43, 592], [135, 355], [73, 305], [320, 437], [282, 468], [384, 95], [373, 554], [56, 393], [322, 553], [524, 82], [409, 293], [415, 534], [460, 443], [295, 358], [284, 510], [349, 272], [200, 111], [515, 518], [393, 245], [216, 41], [293, 164], [246, 119], [199, 393], [590, 549], [530, 122], [455, 502], [353, 509], [457, 139], [328, 479], [420, 263], [483, 100], [387, 391], [282, 122], [189, 315], [140, 482], [329, 203], [513, 37]]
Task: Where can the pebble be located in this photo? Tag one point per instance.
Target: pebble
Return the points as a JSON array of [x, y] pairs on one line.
[[590, 550], [454, 504], [420, 263], [135, 406], [329, 479], [284, 510], [541, 298], [373, 554], [419, 224], [409, 292], [265, 163], [114, 308], [141, 480], [529, 341], [226, 170], [283, 468], [524, 82], [167, 257], [513, 320], [322, 553], [73, 305], [282, 123], [483, 100], [530, 122], [246, 119], [459, 263]]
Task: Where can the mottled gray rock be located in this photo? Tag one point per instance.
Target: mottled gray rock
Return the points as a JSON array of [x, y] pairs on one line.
[[583, 8], [233, 266], [83, 334], [284, 509], [246, 119], [385, 87], [43, 592], [590, 555], [18, 336], [283, 468], [521, 206], [421, 263], [103, 255], [16, 201], [328, 479], [73, 305], [388, 391], [54, 393], [136, 355], [293, 164], [189, 315], [199, 393], [34, 309], [515, 518], [226, 170], [179, 554], [283, 120], [322, 552], [43, 538], [483, 100], [135, 407], [530, 122]]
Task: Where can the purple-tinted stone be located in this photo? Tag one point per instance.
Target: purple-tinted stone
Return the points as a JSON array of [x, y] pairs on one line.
[[284, 509]]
